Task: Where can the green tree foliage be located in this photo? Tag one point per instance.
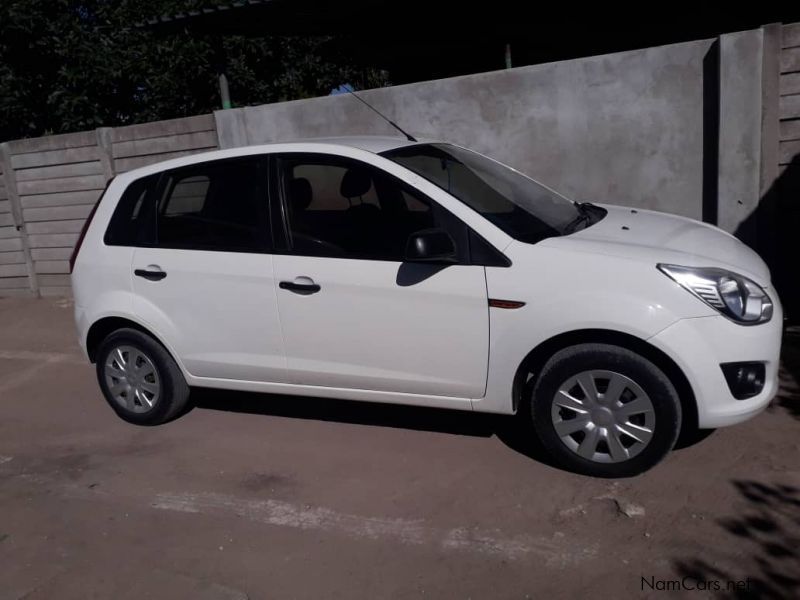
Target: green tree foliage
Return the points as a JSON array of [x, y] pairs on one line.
[[71, 65]]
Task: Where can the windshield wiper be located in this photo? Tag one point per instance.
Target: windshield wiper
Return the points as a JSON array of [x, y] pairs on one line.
[[584, 216]]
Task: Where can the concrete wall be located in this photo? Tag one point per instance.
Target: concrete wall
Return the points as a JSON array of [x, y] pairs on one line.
[[623, 128], [740, 94]]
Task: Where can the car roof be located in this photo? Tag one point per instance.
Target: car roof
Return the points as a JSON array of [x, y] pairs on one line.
[[370, 143], [374, 144]]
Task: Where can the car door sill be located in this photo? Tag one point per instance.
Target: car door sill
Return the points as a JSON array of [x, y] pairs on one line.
[[330, 392]]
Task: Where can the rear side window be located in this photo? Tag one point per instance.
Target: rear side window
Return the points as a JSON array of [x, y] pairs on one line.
[[214, 206], [128, 226], [188, 196]]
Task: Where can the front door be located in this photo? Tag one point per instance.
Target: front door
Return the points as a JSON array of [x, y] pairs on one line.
[[206, 280], [353, 313]]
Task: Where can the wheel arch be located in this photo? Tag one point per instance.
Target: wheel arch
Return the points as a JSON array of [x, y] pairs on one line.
[[532, 364], [101, 328]]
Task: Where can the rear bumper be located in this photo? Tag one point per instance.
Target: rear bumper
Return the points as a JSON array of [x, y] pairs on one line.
[[82, 325], [699, 346]]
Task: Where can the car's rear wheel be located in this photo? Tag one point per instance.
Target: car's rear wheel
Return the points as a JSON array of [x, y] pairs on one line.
[[603, 410], [139, 379]]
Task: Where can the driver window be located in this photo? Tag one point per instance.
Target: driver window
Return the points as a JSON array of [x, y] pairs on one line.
[[344, 208]]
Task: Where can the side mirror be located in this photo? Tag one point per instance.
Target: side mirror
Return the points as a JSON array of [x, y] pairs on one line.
[[431, 245]]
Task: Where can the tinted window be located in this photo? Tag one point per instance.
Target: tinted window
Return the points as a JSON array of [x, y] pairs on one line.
[[214, 206], [129, 221], [523, 208], [338, 207], [188, 196]]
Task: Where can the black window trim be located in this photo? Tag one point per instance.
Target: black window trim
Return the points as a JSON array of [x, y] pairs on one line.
[[282, 245]]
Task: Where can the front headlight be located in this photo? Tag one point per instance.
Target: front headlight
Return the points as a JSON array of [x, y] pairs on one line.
[[735, 296]]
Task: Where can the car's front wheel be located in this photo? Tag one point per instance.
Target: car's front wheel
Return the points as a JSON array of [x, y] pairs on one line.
[[139, 379], [603, 410]]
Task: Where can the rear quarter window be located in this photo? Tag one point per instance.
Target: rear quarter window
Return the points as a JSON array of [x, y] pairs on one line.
[[128, 225]]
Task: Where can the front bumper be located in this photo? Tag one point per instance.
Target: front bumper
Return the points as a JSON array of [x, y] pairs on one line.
[[700, 345]]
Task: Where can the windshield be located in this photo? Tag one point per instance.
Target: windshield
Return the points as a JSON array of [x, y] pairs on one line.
[[524, 209]]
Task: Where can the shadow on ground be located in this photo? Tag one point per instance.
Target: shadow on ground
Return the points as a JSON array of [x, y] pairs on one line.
[[789, 395], [764, 543], [513, 431], [510, 430]]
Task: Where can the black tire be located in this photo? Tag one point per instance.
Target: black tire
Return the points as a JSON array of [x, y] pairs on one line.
[[571, 361], [173, 392]]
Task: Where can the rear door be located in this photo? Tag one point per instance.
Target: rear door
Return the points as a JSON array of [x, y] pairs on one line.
[[203, 272], [354, 314]]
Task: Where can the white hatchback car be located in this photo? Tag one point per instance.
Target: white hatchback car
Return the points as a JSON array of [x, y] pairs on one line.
[[422, 273]]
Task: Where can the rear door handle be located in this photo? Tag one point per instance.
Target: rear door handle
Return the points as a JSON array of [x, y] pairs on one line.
[[151, 273], [301, 285]]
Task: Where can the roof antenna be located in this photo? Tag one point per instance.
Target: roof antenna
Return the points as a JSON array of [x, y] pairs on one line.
[[409, 137]]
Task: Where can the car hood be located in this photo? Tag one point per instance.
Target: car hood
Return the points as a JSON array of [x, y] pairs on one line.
[[661, 238]]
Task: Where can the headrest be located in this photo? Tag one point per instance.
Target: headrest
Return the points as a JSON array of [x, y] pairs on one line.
[[300, 193], [356, 182]]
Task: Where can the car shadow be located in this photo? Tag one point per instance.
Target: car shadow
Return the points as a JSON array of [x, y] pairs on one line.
[[789, 394], [771, 230], [512, 431]]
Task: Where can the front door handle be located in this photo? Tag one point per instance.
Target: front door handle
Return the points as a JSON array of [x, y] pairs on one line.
[[151, 273], [301, 285]]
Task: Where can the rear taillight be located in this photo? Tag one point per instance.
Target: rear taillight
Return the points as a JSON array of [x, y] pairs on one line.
[[85, 228]]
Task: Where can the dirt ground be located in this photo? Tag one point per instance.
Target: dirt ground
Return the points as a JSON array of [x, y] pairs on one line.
[[251, 496]]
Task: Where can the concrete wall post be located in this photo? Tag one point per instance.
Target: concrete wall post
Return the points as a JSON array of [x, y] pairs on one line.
[[17, 215]]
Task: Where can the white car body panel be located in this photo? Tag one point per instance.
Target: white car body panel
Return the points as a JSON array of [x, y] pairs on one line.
[[435, 343], [656, 237], [698, 346], [229, 329], [638, 301], [386, 326]]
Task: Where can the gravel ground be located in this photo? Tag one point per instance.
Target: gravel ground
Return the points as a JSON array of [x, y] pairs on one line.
[[252, 496]]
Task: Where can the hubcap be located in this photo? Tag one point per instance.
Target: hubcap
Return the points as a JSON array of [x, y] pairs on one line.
[[603, 416], [132, 379]]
